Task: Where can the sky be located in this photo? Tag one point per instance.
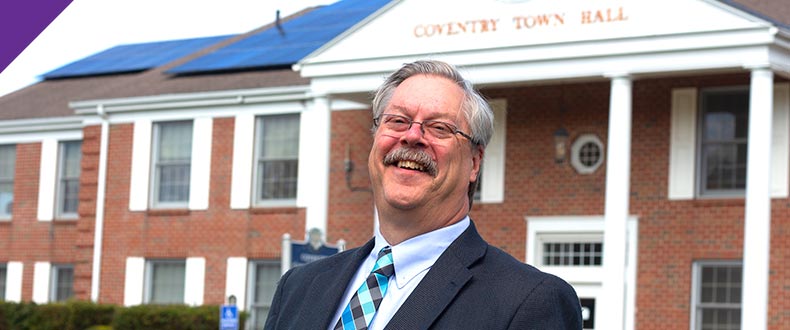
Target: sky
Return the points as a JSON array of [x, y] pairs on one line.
[[87, 27]]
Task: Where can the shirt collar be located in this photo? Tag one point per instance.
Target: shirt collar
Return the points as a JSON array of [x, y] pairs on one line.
[[418, 254]]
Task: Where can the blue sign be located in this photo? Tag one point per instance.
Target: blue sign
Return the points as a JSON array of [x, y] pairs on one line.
[[305, 253], [228, 317]]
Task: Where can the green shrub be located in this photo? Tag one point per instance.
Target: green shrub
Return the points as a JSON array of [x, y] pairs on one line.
[[82, 315], [85, 314]]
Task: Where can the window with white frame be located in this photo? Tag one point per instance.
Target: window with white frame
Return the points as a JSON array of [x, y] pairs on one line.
[[723, 136], [713, 163], [716, 299], [3, 277], [264, 275], [61, 282], [276, 159], [165, 281], [7, 169], [570, 250], [172, 158], [68, 182]]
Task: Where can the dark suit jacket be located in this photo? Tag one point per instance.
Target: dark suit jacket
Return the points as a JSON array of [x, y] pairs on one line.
[[471, 286]]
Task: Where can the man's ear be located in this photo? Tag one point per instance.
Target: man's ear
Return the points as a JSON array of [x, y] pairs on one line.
[[477, 161]]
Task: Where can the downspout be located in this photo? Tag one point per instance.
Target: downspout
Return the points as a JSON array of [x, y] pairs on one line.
[[101, 188]]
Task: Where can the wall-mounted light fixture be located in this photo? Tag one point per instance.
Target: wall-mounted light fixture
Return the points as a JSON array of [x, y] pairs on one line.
[[560, 145]]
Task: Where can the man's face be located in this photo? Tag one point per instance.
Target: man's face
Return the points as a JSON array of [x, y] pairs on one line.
[[405, 182]]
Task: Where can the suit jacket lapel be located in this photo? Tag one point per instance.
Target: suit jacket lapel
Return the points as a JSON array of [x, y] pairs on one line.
[[442, 283], [327, 288]]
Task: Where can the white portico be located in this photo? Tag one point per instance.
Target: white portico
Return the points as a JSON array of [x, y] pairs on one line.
[[510, 43]]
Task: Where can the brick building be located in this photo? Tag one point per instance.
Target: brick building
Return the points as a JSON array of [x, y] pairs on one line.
[[641, 153]]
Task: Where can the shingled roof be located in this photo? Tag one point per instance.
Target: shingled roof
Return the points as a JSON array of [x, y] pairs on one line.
[[50, 98]]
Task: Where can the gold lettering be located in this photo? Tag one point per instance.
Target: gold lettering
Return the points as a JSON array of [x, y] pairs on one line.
[[531, 21], [603, 16]]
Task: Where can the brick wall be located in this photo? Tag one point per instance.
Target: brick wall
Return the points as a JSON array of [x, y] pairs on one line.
[[672, 234], [214, 234], [26, 239]]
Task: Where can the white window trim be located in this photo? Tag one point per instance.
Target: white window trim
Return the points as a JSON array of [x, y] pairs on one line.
[[580, 141], [682, 147], [696, 279], [492, 189], [41, 281], [589, 282], [236, 280], [256, 201], [251, 283], [59, 178], [148, 277], [53, 279], [154, 185], [4, 217]]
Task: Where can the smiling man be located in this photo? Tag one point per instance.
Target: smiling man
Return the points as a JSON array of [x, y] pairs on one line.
[[427, 267]]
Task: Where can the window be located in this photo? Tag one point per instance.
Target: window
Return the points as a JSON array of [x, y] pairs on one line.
[[69, 156], [62, 283], [573, 254], [165, 281], [264, 276], [7, 168], [277, 159], [172, 163], [587, 153], [716, 300], [723, 137], [3, 276]]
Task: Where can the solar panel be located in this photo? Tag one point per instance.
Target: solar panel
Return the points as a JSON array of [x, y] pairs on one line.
[[133, 58], [300, 36]]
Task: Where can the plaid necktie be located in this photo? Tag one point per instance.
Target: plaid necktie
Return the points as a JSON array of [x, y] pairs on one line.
[[363, 305]]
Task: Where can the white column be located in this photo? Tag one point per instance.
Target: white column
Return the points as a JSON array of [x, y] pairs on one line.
[[757, 220], [618, 180], [314, 139]]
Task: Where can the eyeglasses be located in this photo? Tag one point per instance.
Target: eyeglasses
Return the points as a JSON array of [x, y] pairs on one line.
[[433, 128]]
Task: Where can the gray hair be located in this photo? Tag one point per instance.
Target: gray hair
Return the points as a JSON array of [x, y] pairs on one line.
[[476, 110]]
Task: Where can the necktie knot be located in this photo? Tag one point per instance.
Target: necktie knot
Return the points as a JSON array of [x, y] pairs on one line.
[[384, 264], [365, 302]]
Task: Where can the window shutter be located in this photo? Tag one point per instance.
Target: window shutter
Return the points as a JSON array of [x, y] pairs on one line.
[[493, 176], [141, 166], [243, 137], [195, 279], [682, 147], [41, 271], [133, 284], [200, 178], [781, 143], [47, 177]]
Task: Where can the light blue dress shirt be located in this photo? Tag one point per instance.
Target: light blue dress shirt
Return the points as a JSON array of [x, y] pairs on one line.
[[412, 260]]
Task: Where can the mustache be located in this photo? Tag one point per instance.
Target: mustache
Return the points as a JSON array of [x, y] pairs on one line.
[[415, 155]]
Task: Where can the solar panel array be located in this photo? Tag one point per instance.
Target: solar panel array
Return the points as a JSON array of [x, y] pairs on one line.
[[295, 39], [133, 58]]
